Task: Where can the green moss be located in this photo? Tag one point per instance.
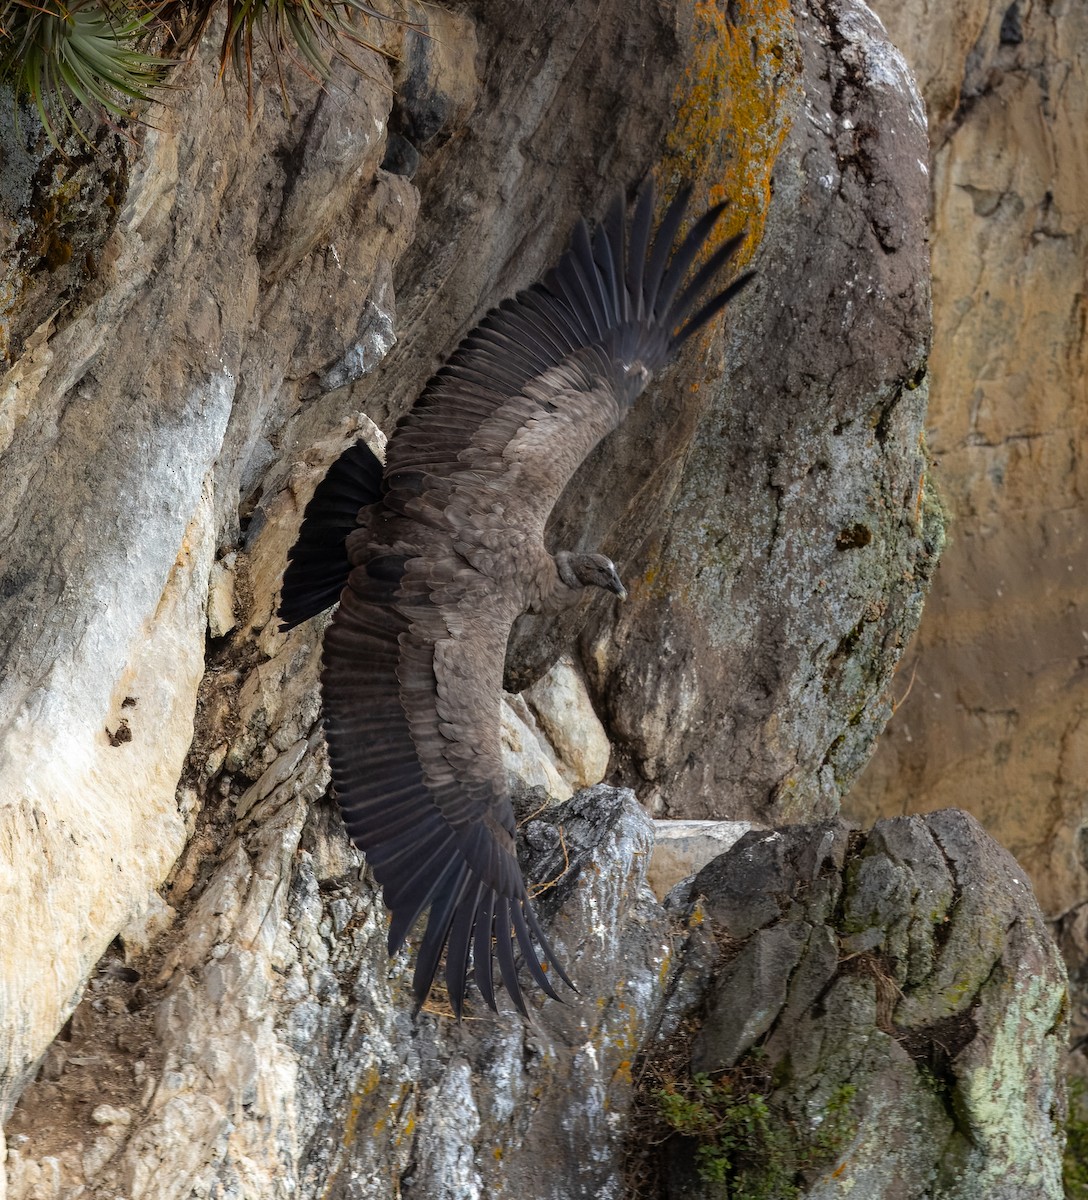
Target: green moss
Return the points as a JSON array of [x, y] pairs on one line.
[[744, 1149], [1075, 1159], [937, 1086]]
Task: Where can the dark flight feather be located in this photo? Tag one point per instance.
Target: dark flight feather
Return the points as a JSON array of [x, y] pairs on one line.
[[319, 566], [433, 557]]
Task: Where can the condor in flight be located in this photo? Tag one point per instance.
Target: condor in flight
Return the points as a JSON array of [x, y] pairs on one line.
[[433, 557]]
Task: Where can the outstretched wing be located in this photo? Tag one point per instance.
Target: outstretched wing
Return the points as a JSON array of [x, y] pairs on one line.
[[412, 694], [318, 564], [451, 554], [616, 298]]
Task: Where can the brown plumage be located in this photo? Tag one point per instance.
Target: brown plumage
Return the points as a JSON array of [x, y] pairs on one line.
[[443, 548]]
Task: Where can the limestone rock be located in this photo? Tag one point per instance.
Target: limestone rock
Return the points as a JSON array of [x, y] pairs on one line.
[[237, 1092], [994, 698], [272, 1050], [178, 412], [527, 755], [130, 427], [563, 709], [681, 848], [221, 597]]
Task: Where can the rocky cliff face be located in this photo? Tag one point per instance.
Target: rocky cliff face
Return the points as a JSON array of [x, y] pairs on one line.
[[855, 998], [766, 693], [269, 289], [997, 717]]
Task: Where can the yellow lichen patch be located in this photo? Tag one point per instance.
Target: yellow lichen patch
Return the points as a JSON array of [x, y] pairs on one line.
[[407, 1130], [353, 1119], [369, 1085], [732, 110], [625, 1031], [663, 970]]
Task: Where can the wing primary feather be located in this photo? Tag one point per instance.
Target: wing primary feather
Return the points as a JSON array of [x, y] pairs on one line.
[[482, 957], [562, 284], [639, 250], [683, 258], [692, 292], [663, 244], [458, 945], [439, 919], [318, 564], [382, 824], [554, 343], [588, 276], [608, 253], [504, 951], [711, 310], [388, 855], [577, 292], [569, 283], [538, 933], [561, 319], [406, 915], [528, 950]]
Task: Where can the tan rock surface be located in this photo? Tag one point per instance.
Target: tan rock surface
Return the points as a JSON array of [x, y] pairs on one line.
[[683, 847], [996, 720], [562, 707], [249, 1020], [129, 428]]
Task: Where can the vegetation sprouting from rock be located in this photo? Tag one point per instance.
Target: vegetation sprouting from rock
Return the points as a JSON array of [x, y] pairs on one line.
[[108, 56], [732, 1135]]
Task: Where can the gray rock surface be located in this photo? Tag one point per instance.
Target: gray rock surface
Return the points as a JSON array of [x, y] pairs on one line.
[[272, 1049], [277, 1052], [783, 540], [164, 810], [908, 972]]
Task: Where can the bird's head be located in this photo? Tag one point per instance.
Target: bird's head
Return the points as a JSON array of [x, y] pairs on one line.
[[589, 570]]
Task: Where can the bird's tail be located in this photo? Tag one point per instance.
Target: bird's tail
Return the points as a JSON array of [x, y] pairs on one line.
[[317, 564]]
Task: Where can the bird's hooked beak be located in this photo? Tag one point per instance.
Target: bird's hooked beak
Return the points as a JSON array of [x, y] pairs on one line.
[[615, 583]]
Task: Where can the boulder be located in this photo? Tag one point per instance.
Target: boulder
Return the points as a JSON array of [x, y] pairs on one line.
[[886, 1016]]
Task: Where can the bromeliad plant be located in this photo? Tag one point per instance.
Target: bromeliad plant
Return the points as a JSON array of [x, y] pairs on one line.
[[83, 52], [98, 54], [318, 30]]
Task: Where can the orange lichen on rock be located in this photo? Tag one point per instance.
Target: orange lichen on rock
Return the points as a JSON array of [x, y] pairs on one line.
[[732, 110]]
